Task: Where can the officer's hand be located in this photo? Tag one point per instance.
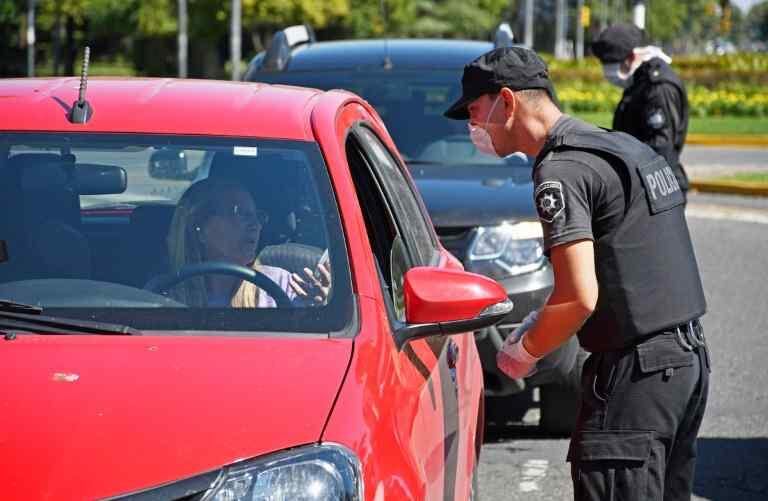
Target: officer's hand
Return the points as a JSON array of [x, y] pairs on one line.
[[515, 361]]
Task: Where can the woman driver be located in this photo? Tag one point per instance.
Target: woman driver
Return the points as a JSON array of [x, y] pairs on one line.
[[217, 220]]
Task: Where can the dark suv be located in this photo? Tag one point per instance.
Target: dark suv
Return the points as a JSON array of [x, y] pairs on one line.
[[482, 206]]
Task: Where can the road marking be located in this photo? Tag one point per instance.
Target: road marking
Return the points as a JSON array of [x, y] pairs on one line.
[[533, 471], [729, 213]]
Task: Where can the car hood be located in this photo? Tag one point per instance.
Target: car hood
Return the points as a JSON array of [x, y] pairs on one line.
[[471, 195], [90, 417]]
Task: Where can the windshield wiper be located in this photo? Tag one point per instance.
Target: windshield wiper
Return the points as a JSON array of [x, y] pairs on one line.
[[422, 162], [14, 307], [14, 316]]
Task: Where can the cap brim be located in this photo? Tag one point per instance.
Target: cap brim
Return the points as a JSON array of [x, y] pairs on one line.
[[458, 110]]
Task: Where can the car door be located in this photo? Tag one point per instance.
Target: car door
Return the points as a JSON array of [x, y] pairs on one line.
[[439, 389]]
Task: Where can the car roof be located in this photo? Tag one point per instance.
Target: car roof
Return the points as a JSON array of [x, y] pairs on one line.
[[163, 106], [407, 54]]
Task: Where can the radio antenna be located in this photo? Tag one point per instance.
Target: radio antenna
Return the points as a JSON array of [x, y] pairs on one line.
[[81, 110]]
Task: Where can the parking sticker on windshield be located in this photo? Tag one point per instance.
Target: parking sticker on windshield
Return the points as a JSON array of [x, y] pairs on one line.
[[245, 151]]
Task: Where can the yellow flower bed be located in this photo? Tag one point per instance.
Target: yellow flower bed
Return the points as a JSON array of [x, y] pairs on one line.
[[725, 100]]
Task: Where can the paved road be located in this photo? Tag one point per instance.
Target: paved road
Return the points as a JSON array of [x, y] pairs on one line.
[[704, 161], [731, 238]]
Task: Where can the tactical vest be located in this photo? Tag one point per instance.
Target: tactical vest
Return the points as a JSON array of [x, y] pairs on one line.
[[646, 268]]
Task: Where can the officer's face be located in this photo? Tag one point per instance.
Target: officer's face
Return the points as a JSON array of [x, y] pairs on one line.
[[487, 112], [496, 114]]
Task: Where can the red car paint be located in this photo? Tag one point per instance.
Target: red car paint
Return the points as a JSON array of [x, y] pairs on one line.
[[84, 417]]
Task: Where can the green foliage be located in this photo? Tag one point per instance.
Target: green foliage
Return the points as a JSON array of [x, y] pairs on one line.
[[757, 23], [727, 100]]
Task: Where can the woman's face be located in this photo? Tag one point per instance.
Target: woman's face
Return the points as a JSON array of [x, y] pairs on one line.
[[231, 232]]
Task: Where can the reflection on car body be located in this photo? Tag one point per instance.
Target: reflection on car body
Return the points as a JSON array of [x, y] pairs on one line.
[[376, 390]]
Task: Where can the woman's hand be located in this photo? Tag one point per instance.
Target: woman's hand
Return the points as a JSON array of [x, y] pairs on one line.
[[314, 286]]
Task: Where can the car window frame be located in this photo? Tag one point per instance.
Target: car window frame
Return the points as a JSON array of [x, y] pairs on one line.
[[425, 249]]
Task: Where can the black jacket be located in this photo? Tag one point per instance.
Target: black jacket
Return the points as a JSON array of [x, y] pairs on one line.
[[654, 109]]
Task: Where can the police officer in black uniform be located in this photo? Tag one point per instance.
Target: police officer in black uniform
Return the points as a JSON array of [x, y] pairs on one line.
[[626, 281], [654, 106]]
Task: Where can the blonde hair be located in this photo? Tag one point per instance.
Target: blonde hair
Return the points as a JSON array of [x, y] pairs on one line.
[[185, 245]]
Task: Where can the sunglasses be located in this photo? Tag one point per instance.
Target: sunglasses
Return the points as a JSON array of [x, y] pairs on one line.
[[237, 212]]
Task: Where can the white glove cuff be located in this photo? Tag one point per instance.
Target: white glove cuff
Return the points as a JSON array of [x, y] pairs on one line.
[[518, 352]]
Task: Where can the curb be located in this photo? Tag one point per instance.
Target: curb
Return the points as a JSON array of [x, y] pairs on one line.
[[743, 140], [730, 187]]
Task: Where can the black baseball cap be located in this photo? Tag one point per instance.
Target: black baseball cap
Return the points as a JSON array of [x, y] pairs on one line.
[[516, 67], [615, 43]]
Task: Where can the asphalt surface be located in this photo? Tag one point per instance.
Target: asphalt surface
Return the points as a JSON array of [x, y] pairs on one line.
[[731, 239], [703, 162]]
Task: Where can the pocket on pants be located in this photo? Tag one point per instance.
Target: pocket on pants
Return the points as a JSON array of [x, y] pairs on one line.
[[616, 465], [661, 354]]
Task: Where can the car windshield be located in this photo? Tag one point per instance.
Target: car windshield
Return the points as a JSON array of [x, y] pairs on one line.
[[172, 233], [411, 103]]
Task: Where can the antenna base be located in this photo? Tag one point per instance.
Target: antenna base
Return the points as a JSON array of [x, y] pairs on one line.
[[80, 113]]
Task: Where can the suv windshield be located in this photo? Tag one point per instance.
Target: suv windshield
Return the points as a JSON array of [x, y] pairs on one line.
[[172, 233], [411, 103]]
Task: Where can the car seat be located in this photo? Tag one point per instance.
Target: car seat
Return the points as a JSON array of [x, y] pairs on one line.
[[41, 219], [145, 247]]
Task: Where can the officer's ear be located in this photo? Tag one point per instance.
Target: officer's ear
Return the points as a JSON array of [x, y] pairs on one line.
[[510, 101]]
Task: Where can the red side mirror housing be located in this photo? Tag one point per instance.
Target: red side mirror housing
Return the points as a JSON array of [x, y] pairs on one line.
[[440, 301]]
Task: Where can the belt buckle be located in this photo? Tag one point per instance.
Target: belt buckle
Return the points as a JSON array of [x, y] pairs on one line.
[[697, 333], [682, 339]]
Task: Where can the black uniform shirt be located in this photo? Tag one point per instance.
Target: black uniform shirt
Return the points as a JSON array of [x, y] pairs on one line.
[[578, 195], [654, 109]]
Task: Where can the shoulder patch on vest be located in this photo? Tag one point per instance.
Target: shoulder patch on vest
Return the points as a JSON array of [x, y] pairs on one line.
[[550, 201]]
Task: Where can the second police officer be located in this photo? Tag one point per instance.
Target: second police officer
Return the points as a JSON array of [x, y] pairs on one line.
[[654, 105], [626, 281]]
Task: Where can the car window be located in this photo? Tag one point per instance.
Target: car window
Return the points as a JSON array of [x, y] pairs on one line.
[[99, 226], [401, 194], [411, 103], [391, 253]]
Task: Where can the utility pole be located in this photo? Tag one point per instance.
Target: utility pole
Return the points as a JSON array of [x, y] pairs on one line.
[[560, 29], [235, 39], [580, 24], [529, 23], [183, 39], [30, 38], [638, 14]]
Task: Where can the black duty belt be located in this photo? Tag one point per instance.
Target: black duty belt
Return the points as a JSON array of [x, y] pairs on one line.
[[690, 335]]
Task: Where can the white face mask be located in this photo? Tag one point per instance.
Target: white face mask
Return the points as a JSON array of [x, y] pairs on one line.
[[613, 73], [480, 136]]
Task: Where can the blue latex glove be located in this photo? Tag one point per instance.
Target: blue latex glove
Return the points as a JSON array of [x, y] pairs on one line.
[[513, 359]]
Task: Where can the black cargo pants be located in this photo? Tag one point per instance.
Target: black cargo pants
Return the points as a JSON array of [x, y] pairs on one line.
[[640, 412]]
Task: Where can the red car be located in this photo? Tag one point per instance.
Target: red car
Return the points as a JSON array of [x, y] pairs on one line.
[[226, 291]]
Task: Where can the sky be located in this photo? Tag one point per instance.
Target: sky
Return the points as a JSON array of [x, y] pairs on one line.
[[745, 4]]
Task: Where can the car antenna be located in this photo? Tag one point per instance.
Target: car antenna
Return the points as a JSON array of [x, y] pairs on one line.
[[81, 110]]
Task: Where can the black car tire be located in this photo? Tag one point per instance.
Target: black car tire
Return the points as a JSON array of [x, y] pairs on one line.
[[559, 402]]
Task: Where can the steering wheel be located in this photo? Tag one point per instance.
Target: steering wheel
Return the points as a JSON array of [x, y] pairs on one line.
[[165, 282]]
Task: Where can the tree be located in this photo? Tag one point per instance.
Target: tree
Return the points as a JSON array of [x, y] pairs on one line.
[[757, 25]]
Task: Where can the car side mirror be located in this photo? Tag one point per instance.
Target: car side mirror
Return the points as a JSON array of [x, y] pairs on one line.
[[169, 163], [440, 302]]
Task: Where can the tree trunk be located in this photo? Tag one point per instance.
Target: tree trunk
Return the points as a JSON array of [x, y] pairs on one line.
[[70, 49], [58, 29]]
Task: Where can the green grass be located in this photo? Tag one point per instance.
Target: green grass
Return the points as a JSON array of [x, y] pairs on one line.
[[708, 125], [747, 177], [96, 69]]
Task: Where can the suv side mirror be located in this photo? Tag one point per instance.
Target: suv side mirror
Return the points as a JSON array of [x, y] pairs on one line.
[[441, 302], [169, 163]]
